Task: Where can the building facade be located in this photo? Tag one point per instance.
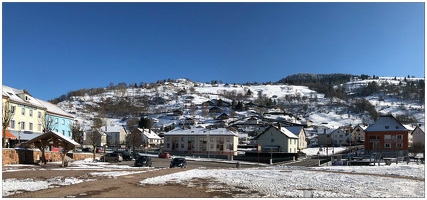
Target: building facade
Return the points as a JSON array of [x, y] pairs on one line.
[[278, 139], [387, 136], [200, 140]]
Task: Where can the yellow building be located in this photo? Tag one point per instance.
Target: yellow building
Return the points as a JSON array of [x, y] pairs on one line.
[[28, 117]]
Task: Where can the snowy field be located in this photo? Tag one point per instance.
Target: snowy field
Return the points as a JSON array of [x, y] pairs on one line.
[[396, 180]]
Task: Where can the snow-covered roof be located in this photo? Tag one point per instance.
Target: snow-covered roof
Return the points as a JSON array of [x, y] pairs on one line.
[[111, 129], [200, 131], [54, 109], [409, 127], [149, 134], [12, 93], [56, 134], [295, 129], [288, 133], [386, 123]]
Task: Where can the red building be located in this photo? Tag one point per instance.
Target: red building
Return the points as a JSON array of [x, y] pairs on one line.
[[388, 136]]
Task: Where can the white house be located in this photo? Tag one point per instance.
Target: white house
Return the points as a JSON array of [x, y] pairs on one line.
[[116, 136], [302, 137], [200, 140], [358, 133], [340, 137], [278, 139], [418, 135], [150, 138]]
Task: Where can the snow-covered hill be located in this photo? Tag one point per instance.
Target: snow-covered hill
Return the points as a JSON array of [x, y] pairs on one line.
[[300, 102]]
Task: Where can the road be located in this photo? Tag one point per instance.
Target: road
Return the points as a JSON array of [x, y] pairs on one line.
[[164, 163]]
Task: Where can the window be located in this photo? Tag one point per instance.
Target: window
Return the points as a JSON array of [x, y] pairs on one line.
[[50, 119], [167, 145], [399, 137], [22, 125], [182, 146], [30, 126], [31, 113], [23, 111], [212, 139], [13, 109], [56, 120], [387, 137], [12, 124], [182, 139], [387, 145], [167, 138], [63, 132], [272, 140], [227, 139], [399, 145], [39, 128], [386, 127], [63, 122], [211, 146], [69, 133], [39, 115]]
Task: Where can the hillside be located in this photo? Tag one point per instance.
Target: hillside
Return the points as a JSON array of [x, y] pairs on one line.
[[300, 103]]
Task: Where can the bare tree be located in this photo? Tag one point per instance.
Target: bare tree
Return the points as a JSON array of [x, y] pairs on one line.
[[134, 139], [8, 114], [94, 138], [77, 132], [48, 125]]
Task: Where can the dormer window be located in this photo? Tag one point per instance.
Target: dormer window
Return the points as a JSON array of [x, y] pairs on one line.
[[27, 98], [386, 127], [397, 127]]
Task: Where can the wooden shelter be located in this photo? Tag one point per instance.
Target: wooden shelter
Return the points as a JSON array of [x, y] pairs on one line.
[[53, 139]]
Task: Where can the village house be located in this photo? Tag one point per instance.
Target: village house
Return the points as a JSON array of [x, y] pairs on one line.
[[418, 135], [200, 140], [358, 134], [302, 137], [277, 139], [149, 138], [387, 136], [115, 135]]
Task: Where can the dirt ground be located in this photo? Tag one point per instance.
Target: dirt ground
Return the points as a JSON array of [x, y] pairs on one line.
[[127, 186]]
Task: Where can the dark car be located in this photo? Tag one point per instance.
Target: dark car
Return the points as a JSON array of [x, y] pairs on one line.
[[87, 149], [116, 157], [143, 161], [178, 162], [125, 155]]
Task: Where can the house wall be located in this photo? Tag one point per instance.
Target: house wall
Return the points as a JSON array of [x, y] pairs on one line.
[[358, 134], [62, 124], [217, 144], [273, 137], [302, 143], [418, 136], [339, 137], [324, 139], [378, 137], [19, 117]]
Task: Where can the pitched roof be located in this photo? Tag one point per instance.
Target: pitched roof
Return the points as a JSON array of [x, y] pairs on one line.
[[52, 134], [386, 123], [12, 93], [296, 130], [54, 109], [283, 130], [149, 134]]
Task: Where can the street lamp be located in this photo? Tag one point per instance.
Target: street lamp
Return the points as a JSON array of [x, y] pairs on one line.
[[318, 158], [105, 148], [209, 146]]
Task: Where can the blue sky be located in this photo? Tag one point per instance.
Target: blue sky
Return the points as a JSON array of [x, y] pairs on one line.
[[50, 49]]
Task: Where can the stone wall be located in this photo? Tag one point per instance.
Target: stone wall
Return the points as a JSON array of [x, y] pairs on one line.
[[32, 156]]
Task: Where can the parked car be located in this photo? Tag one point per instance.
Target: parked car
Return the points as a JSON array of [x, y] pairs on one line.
[[143, 161], [116, 157], [87, 149], [164, 155], [178, 162]]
